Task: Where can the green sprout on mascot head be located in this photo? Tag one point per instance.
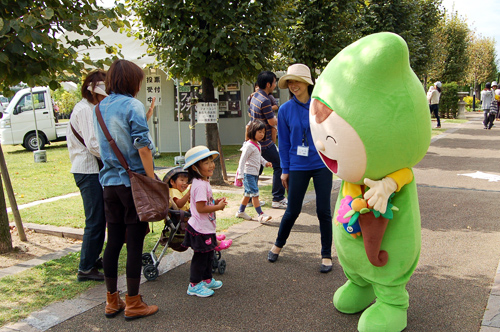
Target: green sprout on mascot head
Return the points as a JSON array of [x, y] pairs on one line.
[[370, 123]]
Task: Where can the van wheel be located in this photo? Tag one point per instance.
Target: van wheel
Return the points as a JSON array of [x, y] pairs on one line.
[[31, 144]]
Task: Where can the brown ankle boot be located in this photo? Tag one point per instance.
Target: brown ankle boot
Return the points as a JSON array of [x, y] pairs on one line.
[[135, 308], [114, 305]]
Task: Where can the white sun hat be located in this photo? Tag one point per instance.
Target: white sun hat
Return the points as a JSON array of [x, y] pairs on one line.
[[198, 153], [297, 72]]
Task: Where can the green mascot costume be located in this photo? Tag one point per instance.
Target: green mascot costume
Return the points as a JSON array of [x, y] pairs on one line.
[[370, 123]]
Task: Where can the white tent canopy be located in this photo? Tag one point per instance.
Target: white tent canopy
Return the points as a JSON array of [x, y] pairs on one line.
[[131, 48]]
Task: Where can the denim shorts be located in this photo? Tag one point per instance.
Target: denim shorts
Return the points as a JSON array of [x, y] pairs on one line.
[[251, 187]]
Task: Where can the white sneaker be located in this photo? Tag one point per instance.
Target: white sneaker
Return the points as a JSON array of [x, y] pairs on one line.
[[243, 215], [264, 218], [283, 204]]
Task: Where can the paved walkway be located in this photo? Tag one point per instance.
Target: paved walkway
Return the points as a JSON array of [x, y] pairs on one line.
[[455, 286]]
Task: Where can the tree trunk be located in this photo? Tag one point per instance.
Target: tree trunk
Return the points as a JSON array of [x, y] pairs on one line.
[[212, 131], [5, 237], [12, 198]]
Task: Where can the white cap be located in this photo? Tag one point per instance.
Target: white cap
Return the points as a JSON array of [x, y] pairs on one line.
[[438, 84], [494, 83]]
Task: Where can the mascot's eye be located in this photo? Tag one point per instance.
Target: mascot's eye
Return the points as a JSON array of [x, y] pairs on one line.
[[331, 137]]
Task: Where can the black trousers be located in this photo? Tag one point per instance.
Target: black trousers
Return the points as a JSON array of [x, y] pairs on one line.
[[201, 266]]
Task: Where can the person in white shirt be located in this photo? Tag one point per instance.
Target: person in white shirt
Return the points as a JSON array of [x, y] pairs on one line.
[[85, 159], [433, 97], [486, 99]]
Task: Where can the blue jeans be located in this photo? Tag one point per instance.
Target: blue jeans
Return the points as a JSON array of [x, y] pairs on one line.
[[435, 110], [298, 182], [271, 154], [95, 223], [251, 184]]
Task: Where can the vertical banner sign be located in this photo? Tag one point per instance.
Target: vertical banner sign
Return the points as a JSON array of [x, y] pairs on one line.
[[207, 112], [153, 89]]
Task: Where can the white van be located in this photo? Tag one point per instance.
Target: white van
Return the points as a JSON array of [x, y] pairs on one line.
[[17, 125]]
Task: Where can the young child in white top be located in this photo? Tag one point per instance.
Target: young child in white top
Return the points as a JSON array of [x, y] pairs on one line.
[[248, 170], [200, 232]]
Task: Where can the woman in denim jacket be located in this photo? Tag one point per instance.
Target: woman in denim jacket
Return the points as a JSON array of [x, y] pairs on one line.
[[125, 118]]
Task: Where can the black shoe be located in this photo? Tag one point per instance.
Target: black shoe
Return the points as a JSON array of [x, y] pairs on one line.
[[325, 268], [272, 257], [98, 263], [93, 274]]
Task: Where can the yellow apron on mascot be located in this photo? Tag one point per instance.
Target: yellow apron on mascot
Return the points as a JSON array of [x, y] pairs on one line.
[[370, 123]]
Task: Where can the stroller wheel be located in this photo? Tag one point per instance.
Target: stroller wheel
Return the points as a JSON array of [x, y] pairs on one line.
[[150, 272], [215, 264], [222, 266], [147, 259]]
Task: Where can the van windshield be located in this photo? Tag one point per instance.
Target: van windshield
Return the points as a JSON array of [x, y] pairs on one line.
[[26, 104]]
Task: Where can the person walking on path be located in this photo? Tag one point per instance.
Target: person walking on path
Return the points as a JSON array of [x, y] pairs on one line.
[[261, 109], [248, 169], [84, 154], [433, 98], [301, 163], [493, 112], [125, 118], [486, 99], [200, 232], [496, 92]]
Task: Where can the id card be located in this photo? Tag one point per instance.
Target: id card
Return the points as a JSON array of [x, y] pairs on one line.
[[303, 150]]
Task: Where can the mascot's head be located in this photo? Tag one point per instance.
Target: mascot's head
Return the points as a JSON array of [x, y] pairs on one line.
[[369, 113]]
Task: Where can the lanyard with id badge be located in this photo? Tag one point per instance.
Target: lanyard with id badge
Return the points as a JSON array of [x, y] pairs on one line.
[[303, 150]]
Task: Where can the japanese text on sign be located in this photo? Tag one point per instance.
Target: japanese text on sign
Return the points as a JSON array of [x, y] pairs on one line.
[[207, 112], [153, 89]]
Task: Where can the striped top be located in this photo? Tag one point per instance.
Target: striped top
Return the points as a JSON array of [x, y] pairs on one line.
[[261, 108], [83, 158]]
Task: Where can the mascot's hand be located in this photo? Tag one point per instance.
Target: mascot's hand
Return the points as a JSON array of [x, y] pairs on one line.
[[379, 193]]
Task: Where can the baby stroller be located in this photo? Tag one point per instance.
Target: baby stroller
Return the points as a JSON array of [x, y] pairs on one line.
[[172, 236]]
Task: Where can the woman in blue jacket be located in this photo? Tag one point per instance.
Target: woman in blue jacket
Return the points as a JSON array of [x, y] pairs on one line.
[[300, 162]]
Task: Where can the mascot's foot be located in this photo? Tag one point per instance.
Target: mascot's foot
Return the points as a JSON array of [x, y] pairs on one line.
[[382, 317], [351, 298]]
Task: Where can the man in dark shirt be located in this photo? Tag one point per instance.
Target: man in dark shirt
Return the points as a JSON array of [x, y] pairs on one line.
[[261, 108]]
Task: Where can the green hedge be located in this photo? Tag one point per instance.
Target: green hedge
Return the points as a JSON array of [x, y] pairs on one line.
[[448, 102]]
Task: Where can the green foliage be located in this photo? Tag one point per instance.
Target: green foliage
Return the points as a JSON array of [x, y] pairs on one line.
[[457, 35], [319, 29], [224, 41], [481, 52], [448, 102], [31, 49], [67, 100], [414, 20]]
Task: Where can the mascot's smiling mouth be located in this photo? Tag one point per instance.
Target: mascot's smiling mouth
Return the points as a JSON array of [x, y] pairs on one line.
[[330, 163]]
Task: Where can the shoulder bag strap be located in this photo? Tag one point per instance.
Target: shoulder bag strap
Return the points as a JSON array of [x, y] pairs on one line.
[[77, 135], [80, 138], [110, 139], [258, 148]]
